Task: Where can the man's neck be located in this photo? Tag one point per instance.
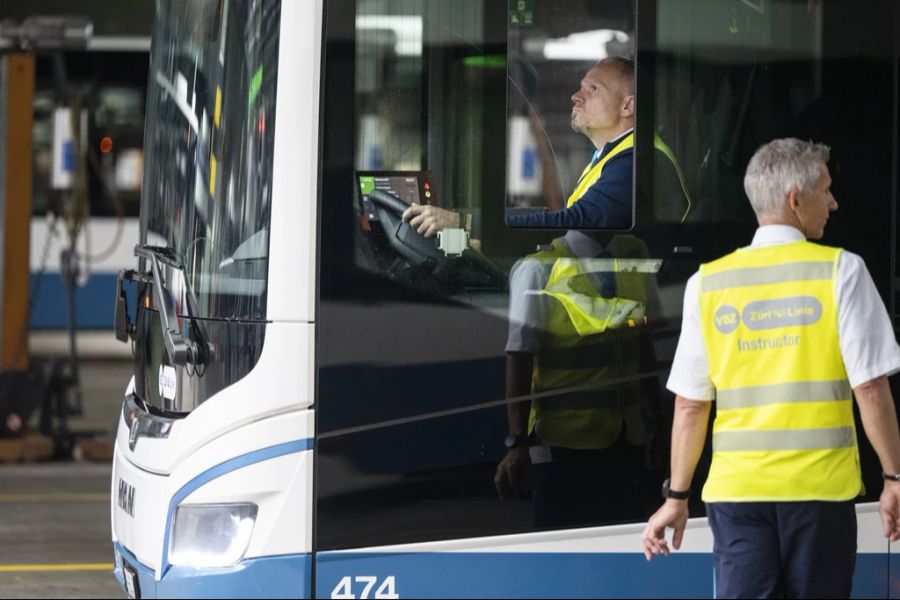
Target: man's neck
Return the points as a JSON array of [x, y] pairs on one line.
[[780, 220], [603, 138]]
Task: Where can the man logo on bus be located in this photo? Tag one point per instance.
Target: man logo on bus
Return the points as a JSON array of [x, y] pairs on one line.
[[727, 318]]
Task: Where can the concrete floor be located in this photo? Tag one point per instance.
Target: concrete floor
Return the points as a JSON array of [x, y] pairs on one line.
[[54, 517], [54, 523]]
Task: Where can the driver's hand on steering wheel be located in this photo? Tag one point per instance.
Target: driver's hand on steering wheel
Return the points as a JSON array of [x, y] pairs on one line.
[[428, 220]]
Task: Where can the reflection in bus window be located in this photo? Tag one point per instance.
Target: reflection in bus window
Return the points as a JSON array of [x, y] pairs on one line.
[[530, 377], [577, 347]]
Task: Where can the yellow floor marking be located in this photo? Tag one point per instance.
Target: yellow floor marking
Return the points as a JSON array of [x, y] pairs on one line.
[[54, 497], [74, 567]]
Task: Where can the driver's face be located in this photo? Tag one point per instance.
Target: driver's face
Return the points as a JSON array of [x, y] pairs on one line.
[[599, 102]]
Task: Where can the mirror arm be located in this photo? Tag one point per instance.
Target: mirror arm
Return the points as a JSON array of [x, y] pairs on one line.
[[176, 348]]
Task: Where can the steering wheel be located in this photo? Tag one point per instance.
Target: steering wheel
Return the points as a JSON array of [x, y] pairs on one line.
[[418, 250]]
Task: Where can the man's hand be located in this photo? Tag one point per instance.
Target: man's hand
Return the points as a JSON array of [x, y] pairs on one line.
[[889, 507], [511, 478], [674, 514], [428, 220]]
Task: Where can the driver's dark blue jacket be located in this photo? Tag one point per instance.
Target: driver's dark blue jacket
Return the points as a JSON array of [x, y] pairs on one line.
[[606, 205]]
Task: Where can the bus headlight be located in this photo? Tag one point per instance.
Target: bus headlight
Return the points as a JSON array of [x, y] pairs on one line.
[[211, 535]]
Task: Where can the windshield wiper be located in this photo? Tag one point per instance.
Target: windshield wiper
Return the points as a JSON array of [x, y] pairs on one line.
[[179, 351]]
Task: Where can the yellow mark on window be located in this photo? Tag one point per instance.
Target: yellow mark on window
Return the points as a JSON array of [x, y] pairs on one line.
[[212, 174], [218, 114]]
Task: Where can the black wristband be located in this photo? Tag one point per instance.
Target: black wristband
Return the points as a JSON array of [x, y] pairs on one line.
[[668, 492], [888, 477]]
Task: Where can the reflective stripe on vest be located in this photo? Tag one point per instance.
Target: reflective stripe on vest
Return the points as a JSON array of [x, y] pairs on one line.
[[783, 393], [784, 426]]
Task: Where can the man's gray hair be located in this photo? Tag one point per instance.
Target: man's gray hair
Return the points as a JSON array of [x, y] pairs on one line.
[[780, 166]]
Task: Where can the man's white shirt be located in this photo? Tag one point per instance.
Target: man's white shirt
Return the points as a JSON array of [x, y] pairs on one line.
[[866, 337]]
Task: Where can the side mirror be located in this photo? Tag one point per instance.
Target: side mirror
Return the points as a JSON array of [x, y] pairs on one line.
[[124, 327]]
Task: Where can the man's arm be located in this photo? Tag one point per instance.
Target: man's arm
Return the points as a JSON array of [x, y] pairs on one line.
[[688, 436], [879, 419], [607, 204], [511, 476]]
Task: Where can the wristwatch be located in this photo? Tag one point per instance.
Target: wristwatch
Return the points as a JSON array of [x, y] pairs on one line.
[[514, 440], [890, 477], [668, 492]]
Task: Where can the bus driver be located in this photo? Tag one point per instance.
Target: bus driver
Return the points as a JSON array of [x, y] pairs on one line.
[[603, 110]]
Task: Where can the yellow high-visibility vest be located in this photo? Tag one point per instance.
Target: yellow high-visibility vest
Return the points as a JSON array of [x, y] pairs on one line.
[[594, 171], [586, 346], [784, 427]]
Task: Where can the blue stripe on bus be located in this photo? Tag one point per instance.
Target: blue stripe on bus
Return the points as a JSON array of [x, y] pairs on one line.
[[893, 590], [285, 576], [95, 303], [219, 470], [548, 575]]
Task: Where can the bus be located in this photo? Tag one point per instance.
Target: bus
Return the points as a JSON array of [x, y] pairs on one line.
[[110, 77], [322, 396]]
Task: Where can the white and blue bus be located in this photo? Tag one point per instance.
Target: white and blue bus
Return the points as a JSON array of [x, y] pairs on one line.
[[321, 397], [110, 77]]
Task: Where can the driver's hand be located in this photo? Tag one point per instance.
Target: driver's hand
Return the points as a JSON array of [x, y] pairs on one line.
[[428, 220], [511, 478]]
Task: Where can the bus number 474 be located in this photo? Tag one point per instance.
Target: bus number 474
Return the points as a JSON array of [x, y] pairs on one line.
[[344, 589]]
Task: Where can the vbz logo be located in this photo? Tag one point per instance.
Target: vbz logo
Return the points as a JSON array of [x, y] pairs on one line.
[[727, 318], [126, 497]]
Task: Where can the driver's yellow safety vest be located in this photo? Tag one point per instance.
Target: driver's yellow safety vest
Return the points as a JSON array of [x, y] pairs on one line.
[[784, 427], [589, 345], [594, 170]]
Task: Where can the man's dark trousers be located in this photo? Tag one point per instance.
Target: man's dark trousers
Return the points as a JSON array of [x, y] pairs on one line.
[[783, 549]]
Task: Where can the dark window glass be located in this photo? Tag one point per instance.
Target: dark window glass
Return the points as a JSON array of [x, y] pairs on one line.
[[429, 354]]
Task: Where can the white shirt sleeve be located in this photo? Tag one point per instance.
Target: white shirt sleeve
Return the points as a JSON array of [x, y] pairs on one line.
[[689, 377], [868, 345], [527, 309]]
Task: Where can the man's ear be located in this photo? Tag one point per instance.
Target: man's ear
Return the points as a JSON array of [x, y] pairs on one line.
[[628, 106], [793, 200]]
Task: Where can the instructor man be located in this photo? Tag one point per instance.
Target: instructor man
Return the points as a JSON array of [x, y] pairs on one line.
[[777, 334]]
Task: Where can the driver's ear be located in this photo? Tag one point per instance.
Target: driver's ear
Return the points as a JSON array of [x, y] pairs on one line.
[[628, 107]]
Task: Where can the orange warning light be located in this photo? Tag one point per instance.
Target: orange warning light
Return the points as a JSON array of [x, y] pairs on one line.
[[106, 144]]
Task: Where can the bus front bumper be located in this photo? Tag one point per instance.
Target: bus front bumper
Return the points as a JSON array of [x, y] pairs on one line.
[[266, 577]]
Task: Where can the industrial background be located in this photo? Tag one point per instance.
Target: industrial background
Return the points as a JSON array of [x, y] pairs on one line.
[[69, 195]]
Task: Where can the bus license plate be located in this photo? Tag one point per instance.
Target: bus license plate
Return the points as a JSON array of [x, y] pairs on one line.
[[132, 584]]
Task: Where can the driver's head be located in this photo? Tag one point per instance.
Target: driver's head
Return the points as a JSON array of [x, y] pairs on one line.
[[603, 106]]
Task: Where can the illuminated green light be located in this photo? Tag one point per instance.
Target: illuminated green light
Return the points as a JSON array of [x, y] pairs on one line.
[[255, 86], [486, 61]]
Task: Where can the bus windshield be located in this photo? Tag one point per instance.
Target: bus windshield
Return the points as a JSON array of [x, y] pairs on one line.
[[209, 146]]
